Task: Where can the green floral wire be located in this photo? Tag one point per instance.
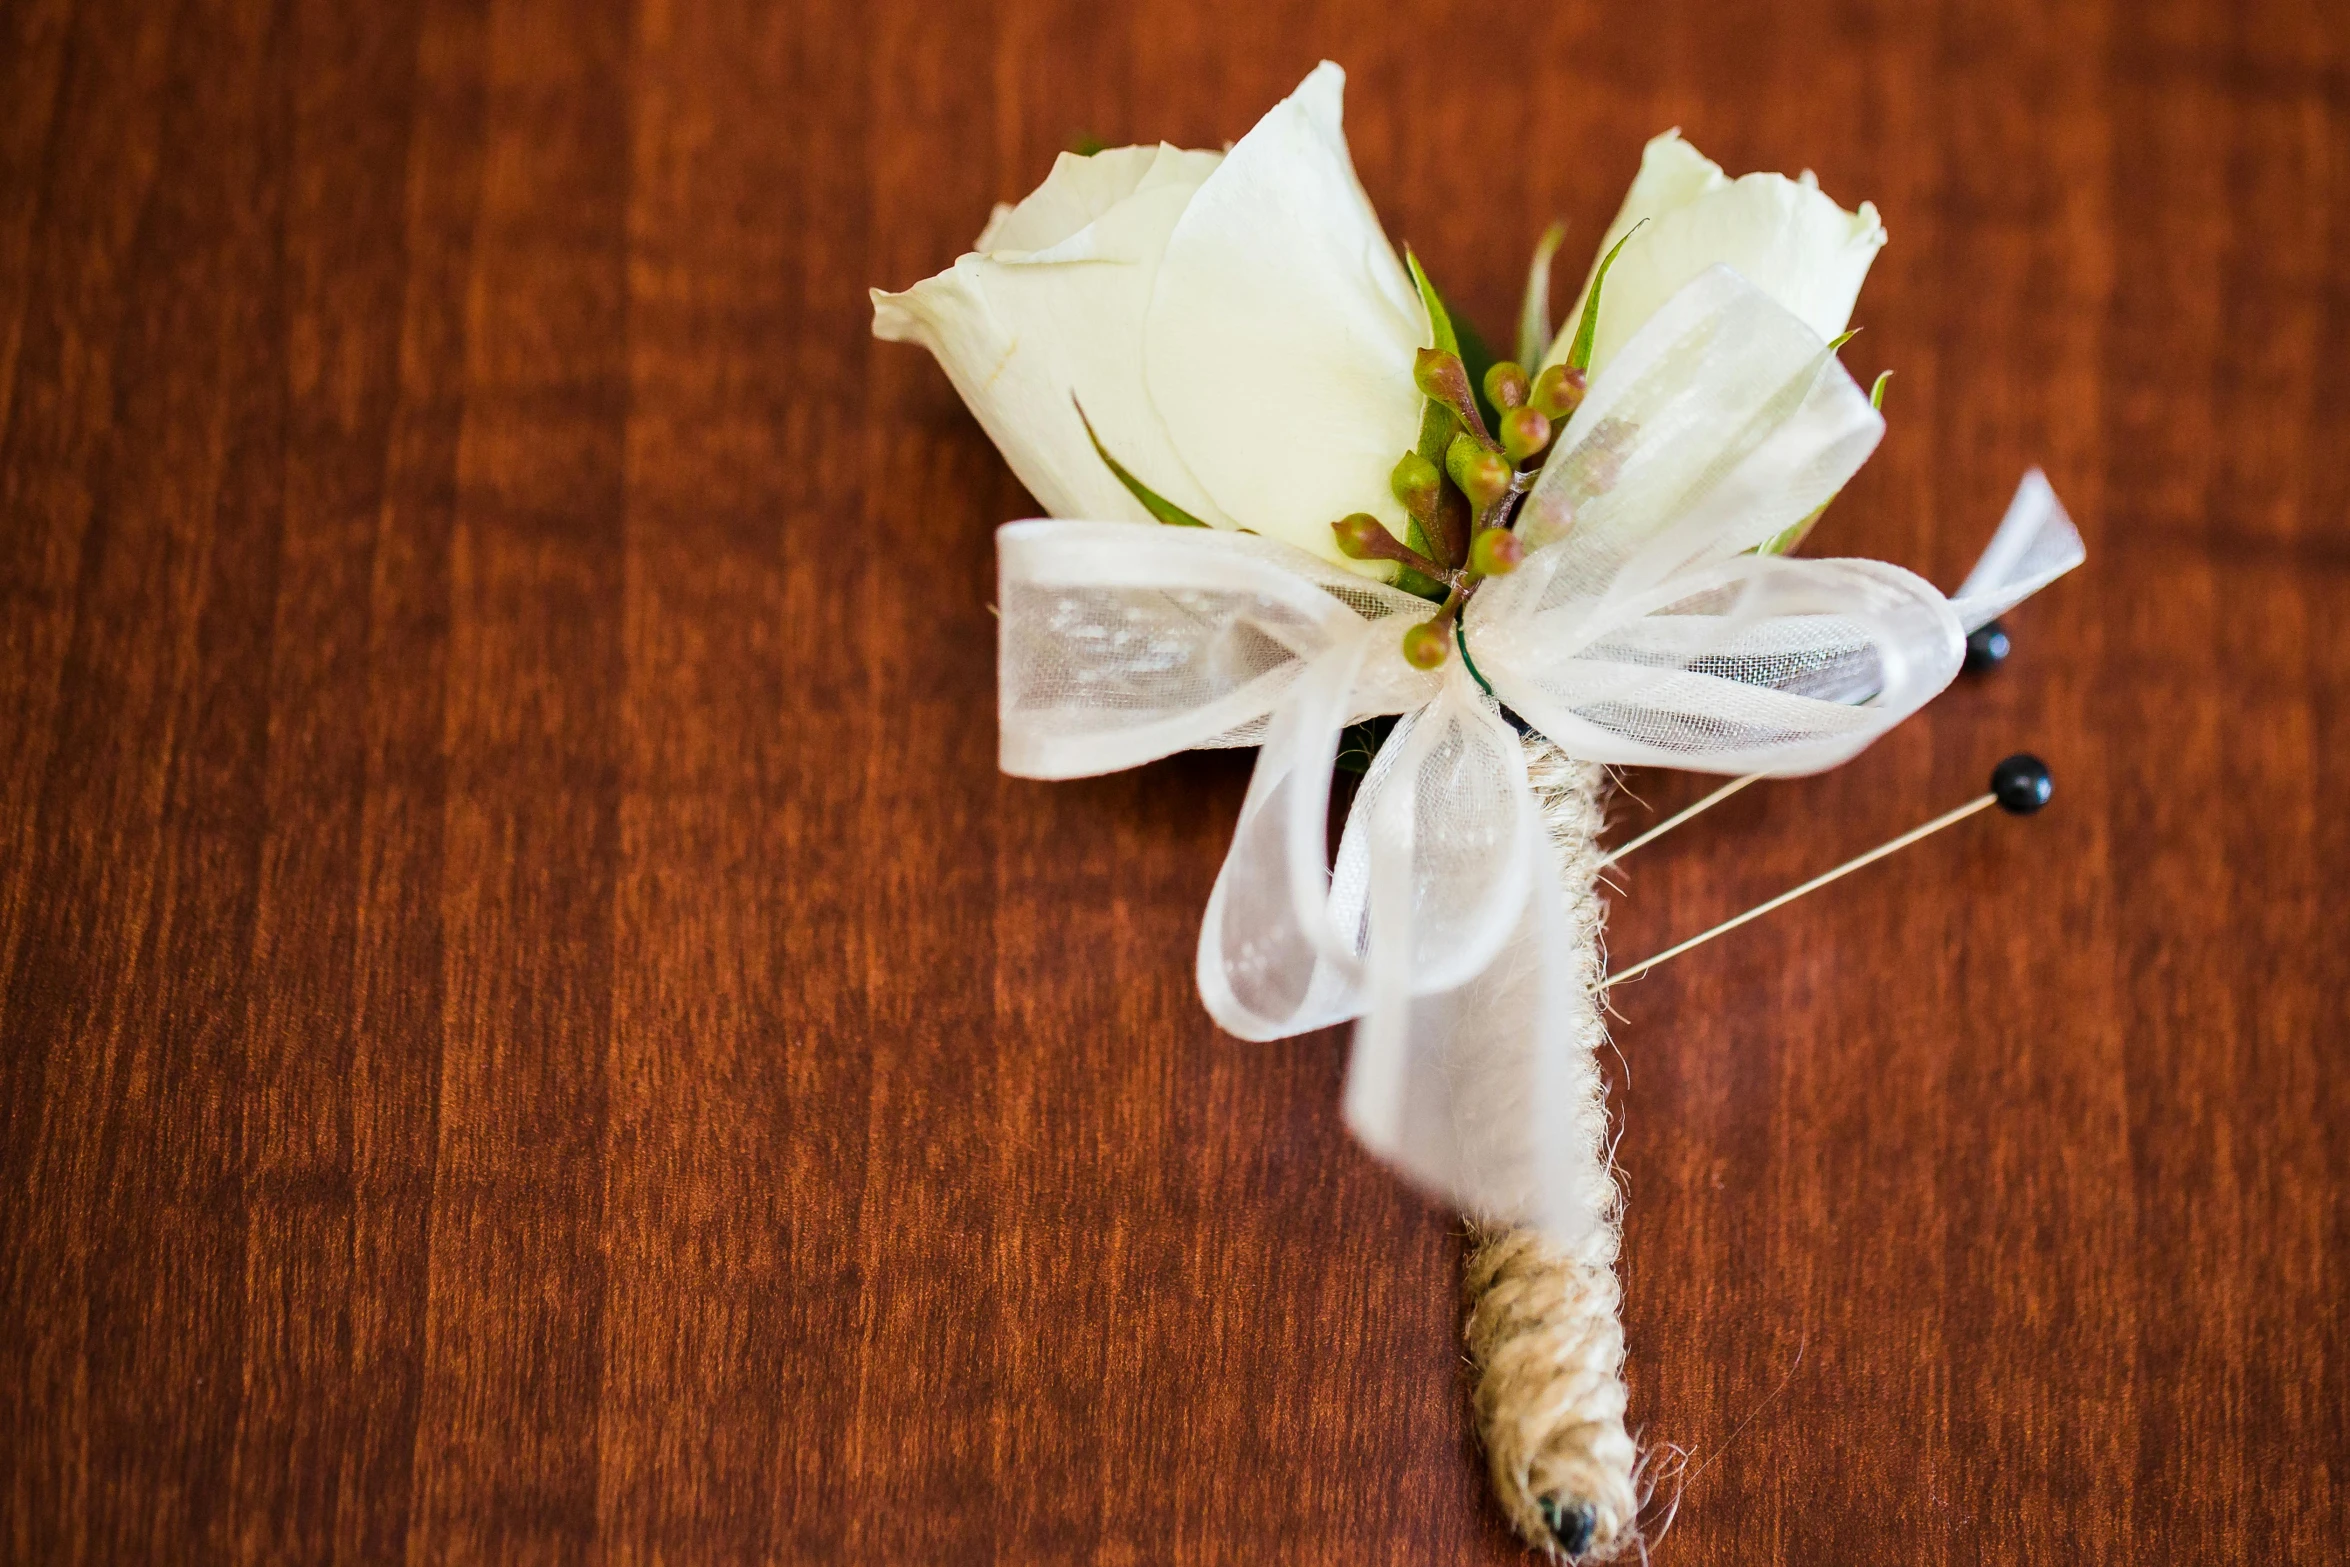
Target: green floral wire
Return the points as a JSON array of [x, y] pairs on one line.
[[1460, 636]]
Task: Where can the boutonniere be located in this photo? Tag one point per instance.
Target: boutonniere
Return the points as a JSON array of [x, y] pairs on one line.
[[1295, 512]]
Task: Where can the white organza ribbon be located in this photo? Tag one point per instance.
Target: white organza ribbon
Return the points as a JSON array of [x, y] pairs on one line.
[[1640, 630]]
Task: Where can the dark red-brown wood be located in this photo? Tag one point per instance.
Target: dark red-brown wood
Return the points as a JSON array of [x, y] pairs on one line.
[[534, 1031]]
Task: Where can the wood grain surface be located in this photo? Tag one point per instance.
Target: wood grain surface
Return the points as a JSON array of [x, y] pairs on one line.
[[534, 1030]]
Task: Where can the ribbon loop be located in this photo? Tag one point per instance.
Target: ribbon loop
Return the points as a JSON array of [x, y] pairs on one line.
[[1724, 422], [1273, 961], [1120, 643], [1758, 664]]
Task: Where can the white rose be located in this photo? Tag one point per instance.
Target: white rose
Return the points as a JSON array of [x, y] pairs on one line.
[[1781, 235], [1237, 328]]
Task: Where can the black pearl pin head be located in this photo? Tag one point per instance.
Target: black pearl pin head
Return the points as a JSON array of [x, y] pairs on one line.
[[1987, 648], [2022, 784], [1572, 1524]]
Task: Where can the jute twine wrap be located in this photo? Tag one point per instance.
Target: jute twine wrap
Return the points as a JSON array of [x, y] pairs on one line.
[[1543, 1331]]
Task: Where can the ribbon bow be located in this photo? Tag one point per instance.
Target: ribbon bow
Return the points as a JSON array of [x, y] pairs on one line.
[[1641, 629]]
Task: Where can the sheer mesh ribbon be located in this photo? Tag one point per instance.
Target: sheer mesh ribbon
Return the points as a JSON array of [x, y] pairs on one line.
[[1640, 630]]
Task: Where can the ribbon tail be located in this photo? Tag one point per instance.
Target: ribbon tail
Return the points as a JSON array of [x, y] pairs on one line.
[[1477, 1093], [2036, 544]]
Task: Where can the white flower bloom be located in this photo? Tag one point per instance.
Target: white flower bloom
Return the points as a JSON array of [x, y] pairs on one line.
[[1782, 235], [1052, 304], [1236, 326]]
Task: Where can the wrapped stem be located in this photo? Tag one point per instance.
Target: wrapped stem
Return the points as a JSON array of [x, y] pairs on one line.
[[1543, 1328]]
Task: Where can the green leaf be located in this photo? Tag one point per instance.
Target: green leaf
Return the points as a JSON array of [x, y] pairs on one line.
[[1477, 358], [1427, 587], [1411, 581], [1439, 318], [1460, 339], [1534, 314], [1785, 543], [1877, 392], [1579, 356], [1841, 338], [1153, 502], [1436, 421]]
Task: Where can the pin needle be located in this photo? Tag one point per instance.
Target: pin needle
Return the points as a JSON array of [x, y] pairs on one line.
[[1676, 819], [2020, 785]]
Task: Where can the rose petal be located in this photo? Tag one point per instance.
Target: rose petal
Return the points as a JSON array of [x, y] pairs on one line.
[[1020, 332], [1783, 236], [1278, 347], [1080, 189]]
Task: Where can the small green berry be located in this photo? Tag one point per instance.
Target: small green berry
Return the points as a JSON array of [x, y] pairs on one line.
[[1524, 432], [1417, 484], [1426, 646], [1496, 553], [1506, 384], [1557, 392], [1360, 536], [1439, 377], [1484, 477]]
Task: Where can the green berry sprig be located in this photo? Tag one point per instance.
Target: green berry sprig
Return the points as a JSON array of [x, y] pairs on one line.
[[1466, 507], [1463, 483]]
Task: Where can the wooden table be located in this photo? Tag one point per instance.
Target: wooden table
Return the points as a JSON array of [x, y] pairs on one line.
[[535, 1031]]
